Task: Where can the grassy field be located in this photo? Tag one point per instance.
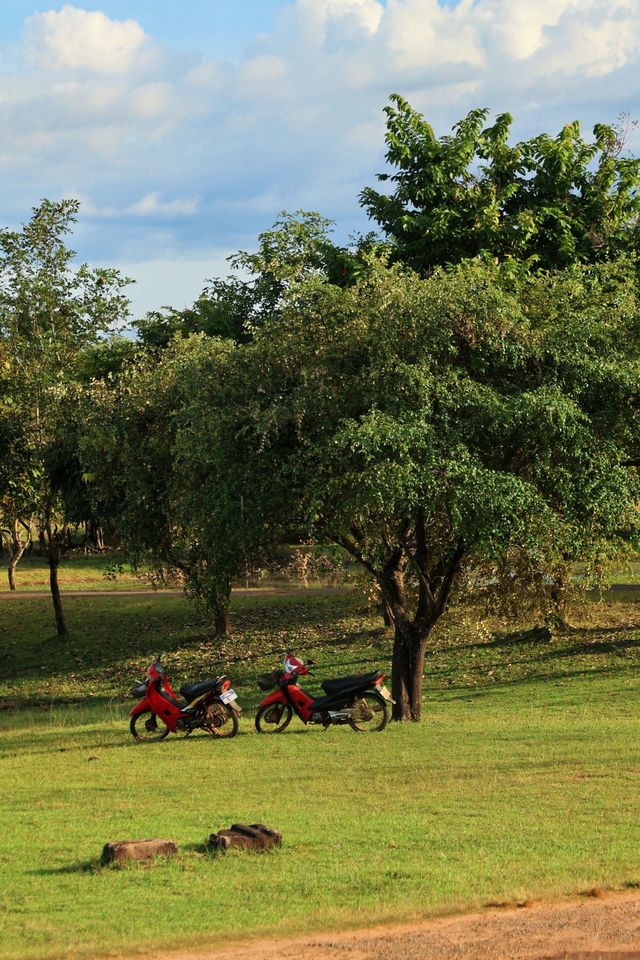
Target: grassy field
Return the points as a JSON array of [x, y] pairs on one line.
[[109, 571], [76, 572], [521, 781]]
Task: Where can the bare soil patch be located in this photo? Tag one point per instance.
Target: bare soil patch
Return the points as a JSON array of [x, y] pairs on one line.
[[596, 927]]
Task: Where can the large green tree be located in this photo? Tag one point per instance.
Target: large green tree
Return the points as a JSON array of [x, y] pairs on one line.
[[50, 311], [130, 437], [548, 201], [18, 474], [425, 425]]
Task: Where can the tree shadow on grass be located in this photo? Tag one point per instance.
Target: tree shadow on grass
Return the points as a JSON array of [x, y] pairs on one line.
[[592, 647], [95, 865], [131, 629], [563, 645], [86, 866], [480, 690], [84, 740]]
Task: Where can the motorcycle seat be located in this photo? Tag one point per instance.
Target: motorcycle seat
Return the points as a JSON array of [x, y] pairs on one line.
[[192, 690], [357, 681]]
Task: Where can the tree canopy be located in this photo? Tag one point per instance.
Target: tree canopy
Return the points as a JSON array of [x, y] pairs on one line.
[[130, 446], [296, 248], [547, 201], [49, 313], [424, 424]]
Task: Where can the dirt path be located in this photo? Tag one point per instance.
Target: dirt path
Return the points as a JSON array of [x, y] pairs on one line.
[[270, 591], [240, 591], [585, 928]]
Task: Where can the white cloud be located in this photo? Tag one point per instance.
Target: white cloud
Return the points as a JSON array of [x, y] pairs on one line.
[[151, 205], [261, 76], [78, 39], [207, 74], [345, 22], [211, 151], [153, 100], [423, 33], [518, 29], [594, 40]]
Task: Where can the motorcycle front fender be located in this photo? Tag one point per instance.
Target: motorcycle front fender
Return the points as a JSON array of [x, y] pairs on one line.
[[276, 697], [140, 706]]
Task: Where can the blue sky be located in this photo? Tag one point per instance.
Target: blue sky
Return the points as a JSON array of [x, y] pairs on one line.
[[184, 128], [222, 28]]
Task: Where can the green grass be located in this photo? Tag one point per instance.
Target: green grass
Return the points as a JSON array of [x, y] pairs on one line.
[[108, 571], [76, 572], [521, 782]]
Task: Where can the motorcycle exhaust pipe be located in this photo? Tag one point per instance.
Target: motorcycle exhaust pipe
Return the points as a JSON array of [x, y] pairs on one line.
[[340, 714]]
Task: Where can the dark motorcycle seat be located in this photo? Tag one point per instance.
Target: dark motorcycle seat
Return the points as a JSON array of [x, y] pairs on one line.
[[192, 690], [359, 681]]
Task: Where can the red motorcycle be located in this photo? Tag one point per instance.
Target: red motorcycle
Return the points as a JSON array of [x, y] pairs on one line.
[[361, 700], [209, 705]]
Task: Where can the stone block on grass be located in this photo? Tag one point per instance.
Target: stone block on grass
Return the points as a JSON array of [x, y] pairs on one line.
[[123, 850], [255, 836]]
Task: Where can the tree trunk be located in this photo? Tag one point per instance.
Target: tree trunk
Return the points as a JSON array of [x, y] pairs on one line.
[[555, 589], [54, 563], [61, 626], [435, 582], [16, 549], [409, 645], [219, 601], [94, 533], [408, 671], [412, 633], [221, 621]]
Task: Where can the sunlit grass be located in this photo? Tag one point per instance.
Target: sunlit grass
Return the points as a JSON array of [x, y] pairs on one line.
[[521, 782], [77, 571]]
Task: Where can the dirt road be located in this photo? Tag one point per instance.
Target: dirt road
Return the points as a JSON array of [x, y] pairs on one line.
[[585, 928], [284, 591]]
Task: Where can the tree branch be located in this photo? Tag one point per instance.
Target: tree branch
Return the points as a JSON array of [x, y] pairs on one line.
[[426, 600], [447, 581], [355, 552]]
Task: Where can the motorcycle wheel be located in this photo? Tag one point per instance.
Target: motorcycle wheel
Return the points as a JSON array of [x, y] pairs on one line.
[[268, 720], [371, 712], [221, 721], [145, 727]]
